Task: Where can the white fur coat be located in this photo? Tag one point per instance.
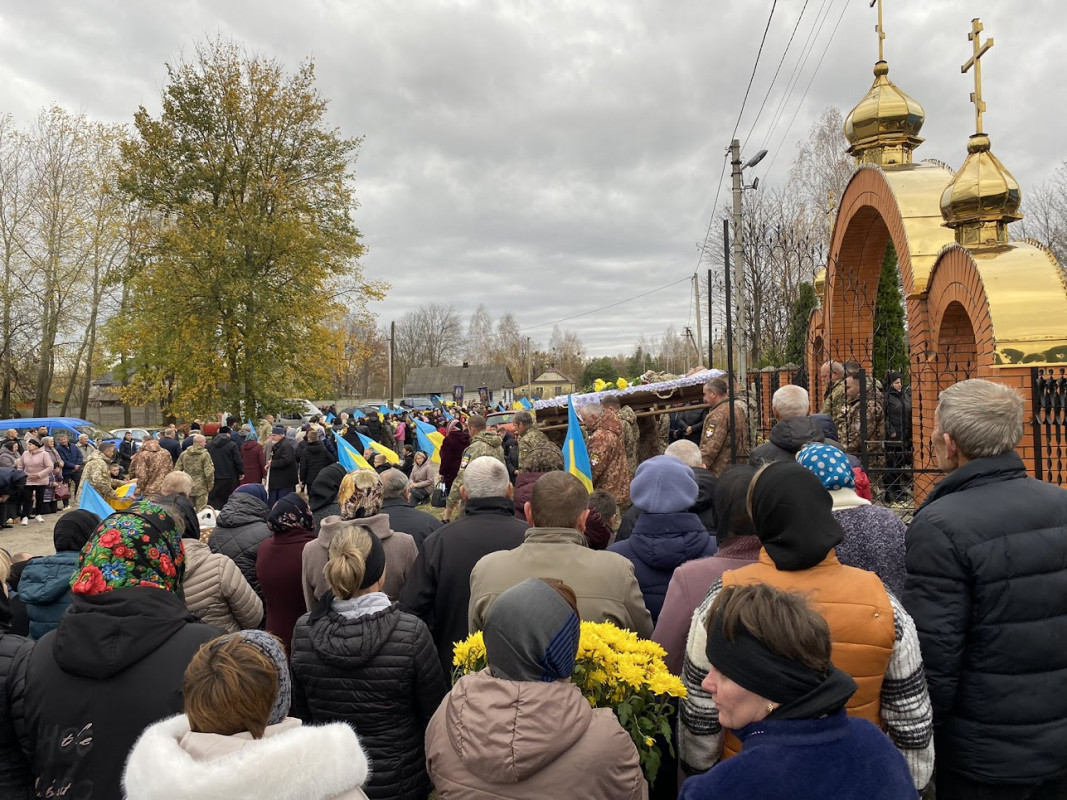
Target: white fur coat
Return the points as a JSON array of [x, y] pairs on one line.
[[290, 762]]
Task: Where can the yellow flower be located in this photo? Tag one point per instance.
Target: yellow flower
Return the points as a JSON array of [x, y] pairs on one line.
[[469, 652], [598, 385], [621, 383], [649, 741]]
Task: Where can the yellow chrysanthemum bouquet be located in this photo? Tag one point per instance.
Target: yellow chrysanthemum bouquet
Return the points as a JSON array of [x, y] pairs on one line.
[[614, 669]]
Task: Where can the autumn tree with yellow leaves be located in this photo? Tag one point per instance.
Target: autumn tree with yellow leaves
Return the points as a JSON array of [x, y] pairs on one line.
[[251, 265]]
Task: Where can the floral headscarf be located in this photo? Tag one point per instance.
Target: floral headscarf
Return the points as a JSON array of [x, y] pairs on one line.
[[141, 546], [290, 512], [360, 495]]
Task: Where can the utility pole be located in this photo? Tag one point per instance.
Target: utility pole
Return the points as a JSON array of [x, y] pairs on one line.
[[696, 296], [392, 352], [529, 371], [739, 267]]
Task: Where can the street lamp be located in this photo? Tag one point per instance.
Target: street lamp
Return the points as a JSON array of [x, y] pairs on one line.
[[739, 266]]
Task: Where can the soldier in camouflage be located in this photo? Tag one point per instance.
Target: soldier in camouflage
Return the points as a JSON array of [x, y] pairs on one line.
[[628, 424], [607, 452], [483, 443], [197, 464], [97, 473], [715, 438], [531, 439]]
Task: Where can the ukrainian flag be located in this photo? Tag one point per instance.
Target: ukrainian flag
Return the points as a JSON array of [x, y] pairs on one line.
[[127, 492], [92, 501], [377, 447], [429, 440], [526, 403], [349, 458], [575, 454]]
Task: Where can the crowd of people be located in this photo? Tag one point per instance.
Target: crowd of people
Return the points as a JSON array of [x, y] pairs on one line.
[[303, 647]]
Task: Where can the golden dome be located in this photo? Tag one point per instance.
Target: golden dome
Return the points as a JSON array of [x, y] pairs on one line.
[[883, 128], [982, 199]]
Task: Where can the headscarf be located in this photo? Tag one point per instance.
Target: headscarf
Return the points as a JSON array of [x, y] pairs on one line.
[[360, 495], [290, 512], [828, 464], [531, 634], [141, 546], [731, 503], [73, 530], [325, 486], [792, 514], [800, 691], [254, 489], [451, 426], [273, 649]]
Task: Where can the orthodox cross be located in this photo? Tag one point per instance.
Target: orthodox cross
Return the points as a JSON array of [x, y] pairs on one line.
[[879, 30], [980, 49]]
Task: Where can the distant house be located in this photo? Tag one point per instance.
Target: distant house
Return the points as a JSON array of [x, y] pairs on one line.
[[552, 383], [495, 378]]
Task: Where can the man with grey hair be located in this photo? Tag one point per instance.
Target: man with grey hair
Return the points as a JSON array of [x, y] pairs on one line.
[[987, 588], [723, 420], [437, 589], [396, 503], [168, 440], [794, 428]]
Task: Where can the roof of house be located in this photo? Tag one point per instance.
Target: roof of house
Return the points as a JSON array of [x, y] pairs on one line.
[[439, 380], [552, 376]]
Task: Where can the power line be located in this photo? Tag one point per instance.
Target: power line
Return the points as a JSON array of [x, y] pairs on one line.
[[609, 305], [752, 77], [776, 71]]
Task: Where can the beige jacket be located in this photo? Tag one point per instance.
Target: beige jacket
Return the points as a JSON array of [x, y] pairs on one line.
[[290, 762], [216, 592], [492, 738], [604, 582], [400, 552]]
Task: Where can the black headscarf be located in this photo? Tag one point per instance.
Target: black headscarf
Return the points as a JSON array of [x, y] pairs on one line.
[[324, 487], [291, 512], [792, 514], [731, 504], [73, 530]]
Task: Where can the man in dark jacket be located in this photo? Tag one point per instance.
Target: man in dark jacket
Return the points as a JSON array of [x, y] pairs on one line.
[[73, 460], [229, 467], [281, 467], [312, 457], [396, 503], [987, 588], [794, 428], [169, 442], [16, 779], [437, 589], [241, 528]]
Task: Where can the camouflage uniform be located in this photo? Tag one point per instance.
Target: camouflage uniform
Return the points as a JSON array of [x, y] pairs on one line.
[[149, 467], [715, 439], [97, 473], [834, 403], [607, 458], [653, 432], [484, 444], [533, 440], [849, 429], [197, 463], [628, 419]]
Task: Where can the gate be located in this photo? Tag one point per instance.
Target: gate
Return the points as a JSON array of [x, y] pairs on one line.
[[1049, 423]]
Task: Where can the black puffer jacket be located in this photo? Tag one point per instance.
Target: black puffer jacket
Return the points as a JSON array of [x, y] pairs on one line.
[[987, 588], [312, 458], [786, 439], [84, 693], [226, 456], [16, 780], [379, 673], [241, 528]]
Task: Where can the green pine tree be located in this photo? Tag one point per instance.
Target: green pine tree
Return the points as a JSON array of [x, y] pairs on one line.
[[799, 317], [890, 346]]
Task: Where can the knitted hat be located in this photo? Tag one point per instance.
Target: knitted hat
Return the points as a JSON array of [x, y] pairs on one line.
[[274, 650], [663, 485], [73, 530], [828, 464], [278, 430]]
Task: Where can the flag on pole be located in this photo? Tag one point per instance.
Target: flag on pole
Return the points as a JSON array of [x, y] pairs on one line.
[[526, 403], [253, 427], [575, 454], [370, 444], [349, 458], [330, 418], [445, 412], [358, 413], [517, 406], [429, 440], [92, 501]]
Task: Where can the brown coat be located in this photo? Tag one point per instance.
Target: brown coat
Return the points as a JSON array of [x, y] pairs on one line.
[[400, 553], [492, 738], [715, 438], [216, 592], [149, 466], [604, 582], [607, 458]]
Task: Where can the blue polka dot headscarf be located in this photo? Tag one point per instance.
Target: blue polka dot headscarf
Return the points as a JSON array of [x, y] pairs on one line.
[[830, 465]]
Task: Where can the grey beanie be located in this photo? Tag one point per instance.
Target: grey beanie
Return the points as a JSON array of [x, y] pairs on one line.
[[274, 650]]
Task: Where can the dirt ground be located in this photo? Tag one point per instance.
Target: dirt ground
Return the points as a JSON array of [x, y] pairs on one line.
[[35, 538]]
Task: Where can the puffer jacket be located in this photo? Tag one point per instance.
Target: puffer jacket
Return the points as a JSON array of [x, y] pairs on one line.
[[216, 592], [660, 543], [226, 456], [312, 458], [380, 674], [400, 554], [44, 589], [786, 439], [16, 780], [493, 738], [37, 465], [239, 531], [704, 507]]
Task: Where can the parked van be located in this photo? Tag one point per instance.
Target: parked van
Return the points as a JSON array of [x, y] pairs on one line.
[[71, 426]]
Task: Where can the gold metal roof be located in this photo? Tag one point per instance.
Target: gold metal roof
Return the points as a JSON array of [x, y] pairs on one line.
[[883, 128], [982, 199]]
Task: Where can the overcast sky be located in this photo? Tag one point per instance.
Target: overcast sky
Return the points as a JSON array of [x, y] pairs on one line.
[[548, 158]]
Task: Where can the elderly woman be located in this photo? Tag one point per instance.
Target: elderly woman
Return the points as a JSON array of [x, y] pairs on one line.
[[776, 686], [278, 564], [114, 665], [359, 659], [521, 728], [39, 468], [423, 478], [235, 739], [51, 501]]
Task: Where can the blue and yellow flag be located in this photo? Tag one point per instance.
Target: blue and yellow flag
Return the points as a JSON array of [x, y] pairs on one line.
[[370, 444], [517, 406], [429, 440], [575, 454], [253, 427], [127, 492], [92, 501], [526, 403], [349, 458]]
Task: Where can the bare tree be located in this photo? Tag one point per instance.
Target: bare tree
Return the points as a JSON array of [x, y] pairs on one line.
[[1045, 214], [479, 345], [427, 336], [567, 352]]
